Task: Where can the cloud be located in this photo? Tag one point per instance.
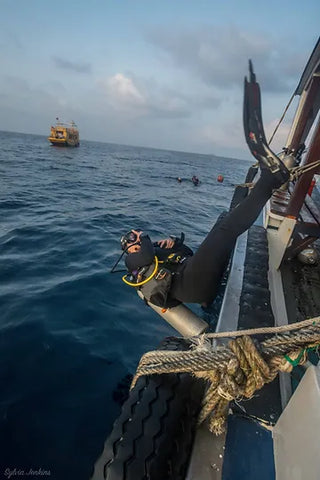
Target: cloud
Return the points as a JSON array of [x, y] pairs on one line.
[[228, 136], [31, 107], [281, 135], [124, 92], [72, 66], [219, 56], [140, 97], [222, 135], [11, 41], [16, 84]]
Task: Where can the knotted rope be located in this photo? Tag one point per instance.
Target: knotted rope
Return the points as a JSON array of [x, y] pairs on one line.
[[238, 369]]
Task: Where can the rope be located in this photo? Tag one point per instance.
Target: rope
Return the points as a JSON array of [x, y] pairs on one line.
[[265, 330], [282, 117], [296, 172], [236, 370]]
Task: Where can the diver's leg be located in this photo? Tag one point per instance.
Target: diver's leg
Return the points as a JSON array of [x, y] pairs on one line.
[[202, 273], [247, 211]]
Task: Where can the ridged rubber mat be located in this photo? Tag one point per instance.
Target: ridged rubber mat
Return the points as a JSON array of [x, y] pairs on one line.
[[255, 311]]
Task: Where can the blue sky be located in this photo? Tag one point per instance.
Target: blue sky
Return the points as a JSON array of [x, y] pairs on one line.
[[166, 74]]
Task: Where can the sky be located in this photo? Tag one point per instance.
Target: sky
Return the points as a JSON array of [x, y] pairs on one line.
[[164, 74]]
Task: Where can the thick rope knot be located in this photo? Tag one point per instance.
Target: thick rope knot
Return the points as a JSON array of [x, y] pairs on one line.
[[237, 370], [244, 374], [255, 371]]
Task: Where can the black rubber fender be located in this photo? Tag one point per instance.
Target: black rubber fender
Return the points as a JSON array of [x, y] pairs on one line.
[[152, 438]]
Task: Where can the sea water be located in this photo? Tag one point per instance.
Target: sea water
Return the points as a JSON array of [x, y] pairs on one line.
[[72, 333]]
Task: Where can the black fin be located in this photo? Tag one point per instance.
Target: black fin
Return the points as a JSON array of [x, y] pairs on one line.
[[253, 127]]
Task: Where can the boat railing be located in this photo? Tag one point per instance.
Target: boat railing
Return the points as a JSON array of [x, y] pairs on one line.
[[66, 125]]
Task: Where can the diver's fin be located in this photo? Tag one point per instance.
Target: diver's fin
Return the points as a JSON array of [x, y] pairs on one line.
[[252, 119], [256, 139], [254, 131]]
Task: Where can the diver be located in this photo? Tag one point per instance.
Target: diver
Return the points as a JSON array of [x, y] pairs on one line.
[[179, 179], [168, 273], [195, 180]]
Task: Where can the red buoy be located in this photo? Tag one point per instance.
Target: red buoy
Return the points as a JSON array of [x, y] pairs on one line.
[[220, 178]]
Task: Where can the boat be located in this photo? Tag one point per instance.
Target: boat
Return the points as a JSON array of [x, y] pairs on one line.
[[273, 281], [64, 134]]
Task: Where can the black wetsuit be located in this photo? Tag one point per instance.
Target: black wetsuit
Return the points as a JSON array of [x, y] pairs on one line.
[[196, 280]]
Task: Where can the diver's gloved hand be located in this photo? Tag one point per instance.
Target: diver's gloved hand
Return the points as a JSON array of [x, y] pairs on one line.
[[178, 241], [171, 242]]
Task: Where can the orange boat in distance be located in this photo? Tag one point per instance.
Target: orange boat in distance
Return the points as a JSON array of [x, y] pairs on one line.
[[64, 134]]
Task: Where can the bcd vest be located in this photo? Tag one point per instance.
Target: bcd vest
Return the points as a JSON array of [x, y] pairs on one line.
[[157, 289]]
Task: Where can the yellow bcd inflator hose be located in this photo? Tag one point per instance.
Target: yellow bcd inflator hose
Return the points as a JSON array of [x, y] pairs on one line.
[[144, 281]]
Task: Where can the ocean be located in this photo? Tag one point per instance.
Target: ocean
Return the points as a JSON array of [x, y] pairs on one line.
[[72, 333]]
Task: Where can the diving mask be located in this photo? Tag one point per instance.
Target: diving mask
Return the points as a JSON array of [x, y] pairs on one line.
[[128, 238]]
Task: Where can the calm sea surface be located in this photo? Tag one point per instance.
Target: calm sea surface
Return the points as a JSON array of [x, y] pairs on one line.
[[70, 332]]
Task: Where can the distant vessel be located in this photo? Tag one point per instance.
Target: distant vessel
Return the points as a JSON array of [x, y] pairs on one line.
[[64, 134]]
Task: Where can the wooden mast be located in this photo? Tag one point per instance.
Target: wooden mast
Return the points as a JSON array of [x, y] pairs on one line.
[[309, 91], [306, 115], [303, 184]]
